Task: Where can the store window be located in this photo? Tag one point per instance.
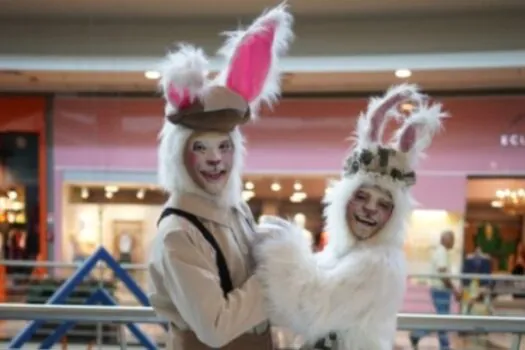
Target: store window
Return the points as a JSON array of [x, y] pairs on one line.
[[19, 197], [120, 217]]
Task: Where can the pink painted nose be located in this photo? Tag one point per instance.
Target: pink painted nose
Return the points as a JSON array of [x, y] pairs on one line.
[[213, 162], [369, 210]]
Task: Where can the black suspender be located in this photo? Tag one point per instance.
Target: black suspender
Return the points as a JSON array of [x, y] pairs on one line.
[[224, 273]]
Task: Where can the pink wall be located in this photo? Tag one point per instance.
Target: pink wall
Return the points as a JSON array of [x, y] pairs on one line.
[[299, 136]]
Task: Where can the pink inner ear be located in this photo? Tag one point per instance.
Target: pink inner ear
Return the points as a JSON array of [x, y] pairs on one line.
[[408, 138], [251, 62], [178, 98], [380, 114]]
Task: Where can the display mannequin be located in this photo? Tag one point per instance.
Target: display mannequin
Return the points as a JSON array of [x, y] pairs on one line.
[[125, 245], [350, 293], [300, 221], [475, 293]]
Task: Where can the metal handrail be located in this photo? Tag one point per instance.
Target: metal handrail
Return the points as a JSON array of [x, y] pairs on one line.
[[126, 314], [57, 264]]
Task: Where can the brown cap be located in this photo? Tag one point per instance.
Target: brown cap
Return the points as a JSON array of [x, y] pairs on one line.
[[218, 109]]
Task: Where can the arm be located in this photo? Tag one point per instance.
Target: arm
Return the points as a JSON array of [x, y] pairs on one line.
[[313, 301], [442, 267], [193, 285]]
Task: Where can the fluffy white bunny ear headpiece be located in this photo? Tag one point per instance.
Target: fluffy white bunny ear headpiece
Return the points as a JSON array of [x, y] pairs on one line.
[[396, 160], [183, 76], [253, 57]]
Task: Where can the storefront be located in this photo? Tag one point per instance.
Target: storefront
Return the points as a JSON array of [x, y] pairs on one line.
[[113, 142], [23, 165], [495, 223]]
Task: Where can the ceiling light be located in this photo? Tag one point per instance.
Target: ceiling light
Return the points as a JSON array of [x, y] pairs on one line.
[[294, 199], [247, 195], [407, 107], [141, 194], [496, 204], [12, 194], [249, 185], [275, 187], [152, 74], [84, 193], [297, 186], [297, 197], [403, 73], [111, 188]]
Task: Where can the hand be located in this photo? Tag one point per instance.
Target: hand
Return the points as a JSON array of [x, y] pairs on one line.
[[273, 227], [458, 294]]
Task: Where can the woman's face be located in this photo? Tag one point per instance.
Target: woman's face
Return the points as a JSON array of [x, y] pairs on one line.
[[208, 158], [368, 211]]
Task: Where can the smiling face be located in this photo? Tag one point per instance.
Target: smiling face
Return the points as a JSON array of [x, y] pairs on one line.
[[208, 158], [368, 211]]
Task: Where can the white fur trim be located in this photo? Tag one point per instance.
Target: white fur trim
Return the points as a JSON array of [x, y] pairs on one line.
[[340, 238], [183, 69], [358, 297], [428, 121], [173, 176], [283, 37], [364, 122]]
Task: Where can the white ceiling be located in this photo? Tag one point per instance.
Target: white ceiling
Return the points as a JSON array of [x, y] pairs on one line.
[[229, 8], [300, 82]]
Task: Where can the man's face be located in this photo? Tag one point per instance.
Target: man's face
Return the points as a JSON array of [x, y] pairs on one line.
[[208, 158], [368, 211], [448, 240]]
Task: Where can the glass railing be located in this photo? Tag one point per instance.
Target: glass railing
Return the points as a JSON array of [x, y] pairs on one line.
[[28, 285], [117, 315]]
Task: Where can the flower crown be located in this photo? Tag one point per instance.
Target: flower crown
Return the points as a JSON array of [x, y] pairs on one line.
[[398, 158]]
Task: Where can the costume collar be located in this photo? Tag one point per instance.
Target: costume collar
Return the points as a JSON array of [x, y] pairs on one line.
[[204, 207]]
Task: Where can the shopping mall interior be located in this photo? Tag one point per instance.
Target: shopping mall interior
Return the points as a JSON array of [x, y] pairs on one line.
[[81, 111]]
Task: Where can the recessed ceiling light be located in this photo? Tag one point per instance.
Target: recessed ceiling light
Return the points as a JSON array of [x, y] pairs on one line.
[[403, 73], [276, 187], [496, 204], [152, 74]]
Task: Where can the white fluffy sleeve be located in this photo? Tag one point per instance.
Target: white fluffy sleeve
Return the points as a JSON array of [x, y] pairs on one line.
[[358, 292]]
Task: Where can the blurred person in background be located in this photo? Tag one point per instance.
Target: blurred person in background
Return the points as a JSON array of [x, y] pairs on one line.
[[201, 276], [442, 289]]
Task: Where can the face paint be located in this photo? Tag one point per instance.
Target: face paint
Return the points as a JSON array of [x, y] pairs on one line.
[[209, 158], [368, 211]]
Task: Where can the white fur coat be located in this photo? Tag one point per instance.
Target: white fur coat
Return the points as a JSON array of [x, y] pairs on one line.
[[356, 295], [353, 288]]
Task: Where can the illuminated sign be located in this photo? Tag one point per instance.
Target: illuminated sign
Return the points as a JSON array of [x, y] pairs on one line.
[[512, 140], [515, 136]]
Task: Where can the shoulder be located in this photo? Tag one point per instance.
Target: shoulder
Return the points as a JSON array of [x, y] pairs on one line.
[[175, 231], [244, 210]]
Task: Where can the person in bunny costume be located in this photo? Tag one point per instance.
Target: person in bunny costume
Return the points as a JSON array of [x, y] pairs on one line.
[[201, 273], [349, 294]]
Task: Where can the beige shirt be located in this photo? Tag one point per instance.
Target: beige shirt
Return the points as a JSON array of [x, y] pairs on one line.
[[184, 284]]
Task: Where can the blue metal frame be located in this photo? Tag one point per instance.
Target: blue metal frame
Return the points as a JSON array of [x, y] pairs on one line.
[[99, 297], [65, 290]]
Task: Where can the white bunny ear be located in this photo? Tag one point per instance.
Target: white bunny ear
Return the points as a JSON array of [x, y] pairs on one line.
[[182, 76], [416, 133], [370, 126], [252, 54]]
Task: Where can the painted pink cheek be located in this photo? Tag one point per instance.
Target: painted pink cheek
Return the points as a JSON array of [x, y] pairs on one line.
[[192, 159], [228, 157]]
